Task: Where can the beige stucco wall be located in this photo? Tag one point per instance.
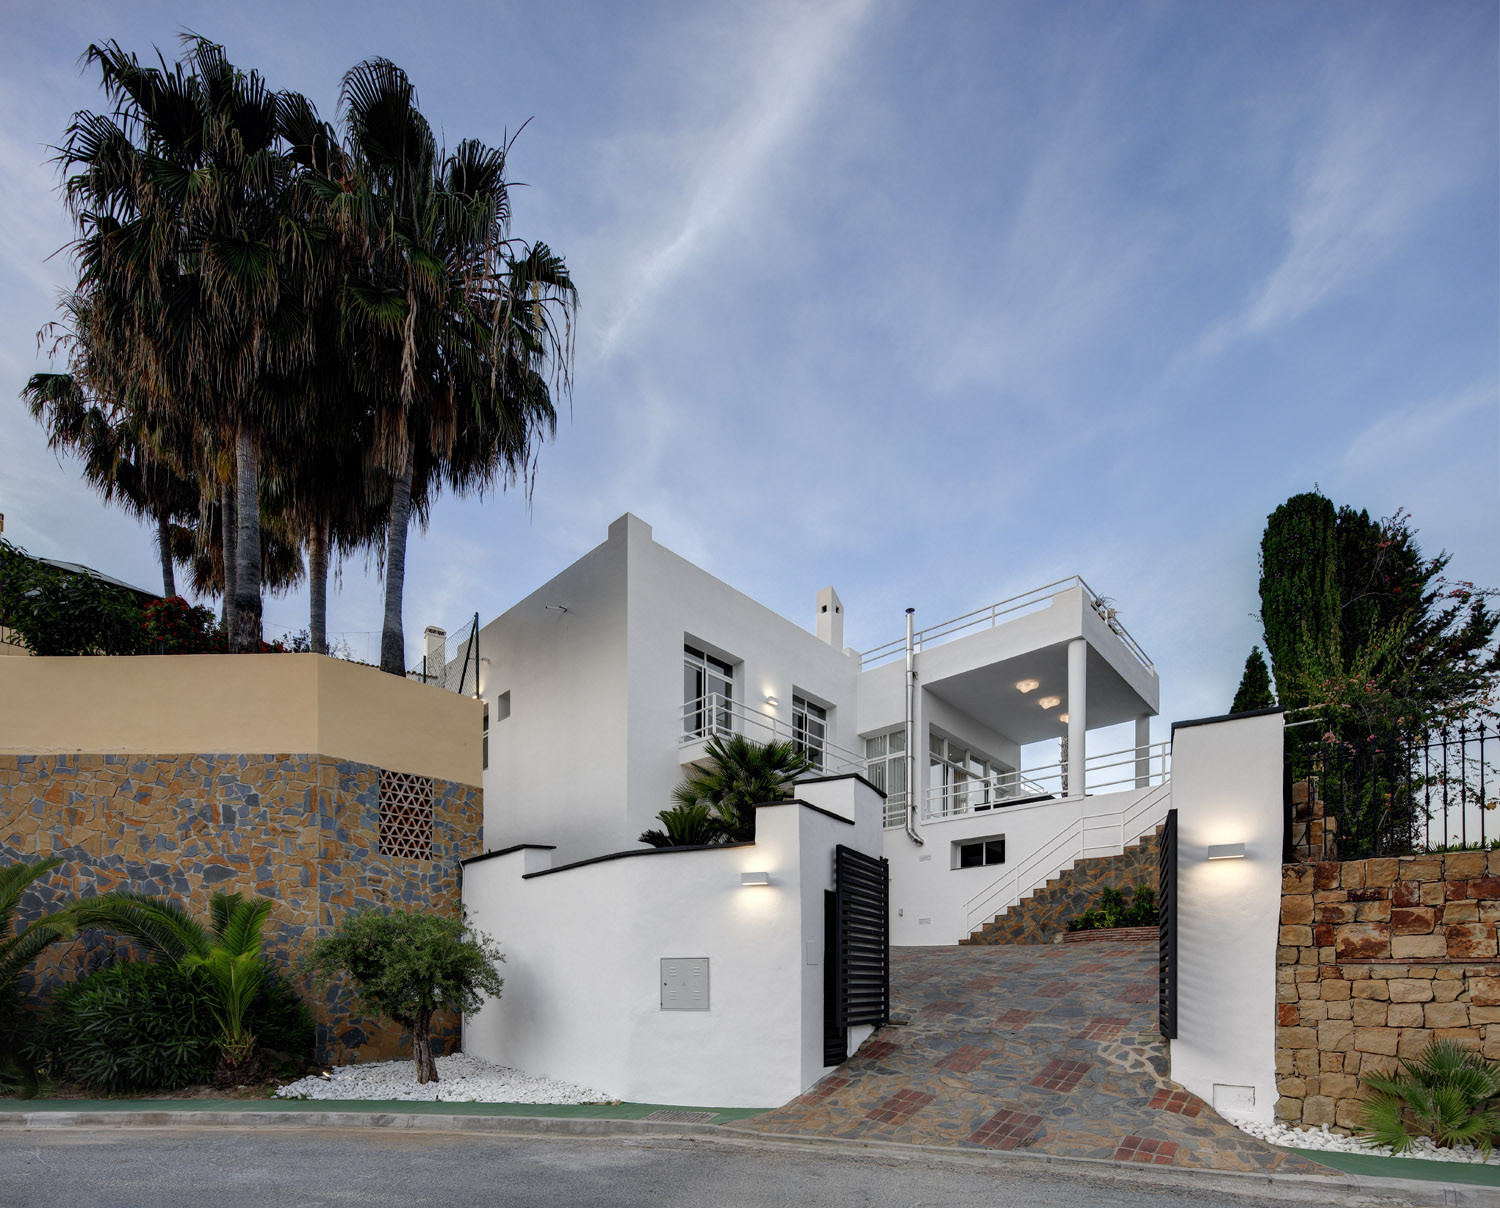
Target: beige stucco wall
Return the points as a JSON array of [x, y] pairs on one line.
[[237, 704]]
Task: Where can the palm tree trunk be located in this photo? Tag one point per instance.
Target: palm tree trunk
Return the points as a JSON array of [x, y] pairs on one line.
[[226, 519], [245, 638], [392, 642], [164, 547], [317, 585]]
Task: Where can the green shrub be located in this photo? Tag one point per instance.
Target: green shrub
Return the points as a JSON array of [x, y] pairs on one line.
[[56, 612], [1447, 1092], [137, 1025], [1112, 910], [173, 626]]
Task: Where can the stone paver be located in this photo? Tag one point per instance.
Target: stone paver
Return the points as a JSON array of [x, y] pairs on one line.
[[996, 1056]]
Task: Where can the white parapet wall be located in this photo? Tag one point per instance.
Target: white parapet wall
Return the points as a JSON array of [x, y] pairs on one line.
[[588, 946], [1227, 790]]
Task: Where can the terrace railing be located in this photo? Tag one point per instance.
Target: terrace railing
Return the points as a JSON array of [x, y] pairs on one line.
[[1007, 610], [718, 714]]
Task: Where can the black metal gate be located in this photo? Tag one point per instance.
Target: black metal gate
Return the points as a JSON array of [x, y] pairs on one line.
[[1166, 897], [857, 959]]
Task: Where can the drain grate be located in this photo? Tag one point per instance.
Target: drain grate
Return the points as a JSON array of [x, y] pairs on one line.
[[682, 1117]]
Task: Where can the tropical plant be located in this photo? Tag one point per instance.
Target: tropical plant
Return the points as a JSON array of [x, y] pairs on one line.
[[173, 626], [687, 824], [408, 966], [1255, 685], [143, 1025], [1448, 1092], [227, 953], [1113, 911], [18, 948], [61, 612], [739, 774], [459, 333]]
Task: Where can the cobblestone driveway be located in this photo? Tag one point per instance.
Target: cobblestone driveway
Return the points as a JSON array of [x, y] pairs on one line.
[[1047, 1047]]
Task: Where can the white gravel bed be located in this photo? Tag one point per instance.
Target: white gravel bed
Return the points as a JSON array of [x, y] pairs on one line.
[[461, 1079], [1326, 1139]]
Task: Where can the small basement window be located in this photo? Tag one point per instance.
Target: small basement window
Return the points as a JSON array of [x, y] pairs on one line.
[[979, 853], [405, 816]]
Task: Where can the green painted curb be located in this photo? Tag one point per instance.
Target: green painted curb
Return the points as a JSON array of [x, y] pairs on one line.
[[1425, 1169], [384, 1107]]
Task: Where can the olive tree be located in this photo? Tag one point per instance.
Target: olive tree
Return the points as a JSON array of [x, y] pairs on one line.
[[407, 966]]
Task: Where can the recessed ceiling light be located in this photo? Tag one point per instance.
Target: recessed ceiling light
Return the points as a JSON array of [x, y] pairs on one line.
[[1028, 685], [1063, 717], [1050, 702]]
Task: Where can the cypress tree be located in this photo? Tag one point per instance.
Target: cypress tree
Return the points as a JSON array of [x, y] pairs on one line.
[[1255, 685], [1299, 592]]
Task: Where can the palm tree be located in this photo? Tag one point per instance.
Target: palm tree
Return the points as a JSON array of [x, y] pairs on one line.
[[18, 948], [194, 261], [227, 952], [461, 333], [740, 774], [140, 461]]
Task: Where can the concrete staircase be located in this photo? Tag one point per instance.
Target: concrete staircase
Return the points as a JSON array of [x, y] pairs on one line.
[[1041, 916]]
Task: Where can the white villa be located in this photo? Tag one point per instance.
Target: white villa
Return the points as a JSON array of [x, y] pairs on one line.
[[601, 688]]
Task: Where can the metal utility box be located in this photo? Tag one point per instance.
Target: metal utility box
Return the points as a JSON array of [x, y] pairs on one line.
[[684, 983]]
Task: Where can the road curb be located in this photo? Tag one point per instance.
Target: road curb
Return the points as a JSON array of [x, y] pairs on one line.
[[1421, 1193]]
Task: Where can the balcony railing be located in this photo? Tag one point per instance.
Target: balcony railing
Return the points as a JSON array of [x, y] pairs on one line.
[[718, 714], [1007, 610], [1114, 770]]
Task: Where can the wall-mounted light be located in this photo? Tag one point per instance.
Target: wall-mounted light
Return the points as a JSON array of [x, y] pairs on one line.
[[772, 699], [755, 878], [1063, 717], [1028, 685], [1050, 702], [1227, 851]]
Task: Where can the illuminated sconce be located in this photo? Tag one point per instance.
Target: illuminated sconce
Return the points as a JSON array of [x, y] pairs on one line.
[[1227, 851], [772, 699], [1050, 702], [1028, 685], [755, 878]]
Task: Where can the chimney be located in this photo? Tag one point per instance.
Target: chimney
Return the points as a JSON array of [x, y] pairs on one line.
[[830, 618], [436, 641]]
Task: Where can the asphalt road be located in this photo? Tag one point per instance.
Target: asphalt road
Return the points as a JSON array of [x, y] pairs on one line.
[[165, 1168]]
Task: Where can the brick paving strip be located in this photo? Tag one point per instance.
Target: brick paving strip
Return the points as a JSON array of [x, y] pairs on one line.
[[1050, 1049]]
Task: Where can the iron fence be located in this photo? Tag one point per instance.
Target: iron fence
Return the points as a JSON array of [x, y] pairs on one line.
[[1395, 791]]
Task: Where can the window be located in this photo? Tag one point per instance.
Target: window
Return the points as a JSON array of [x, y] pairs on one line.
[[502, 711], [960, 780], [486, 733], [405, 816], [809, 729], [707, 694], [885, 768], [979, 853]]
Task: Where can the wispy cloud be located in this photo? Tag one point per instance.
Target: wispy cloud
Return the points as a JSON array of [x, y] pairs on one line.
[[1381, 151], [797, 49]]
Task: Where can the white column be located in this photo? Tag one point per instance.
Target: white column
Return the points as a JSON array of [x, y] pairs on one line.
[[1078, 653], [1142, 756]]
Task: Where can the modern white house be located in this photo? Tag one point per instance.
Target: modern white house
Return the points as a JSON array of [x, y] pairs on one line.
[[601, 688]]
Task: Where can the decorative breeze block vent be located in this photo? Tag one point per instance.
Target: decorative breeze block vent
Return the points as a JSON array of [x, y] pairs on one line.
[[405, 816]]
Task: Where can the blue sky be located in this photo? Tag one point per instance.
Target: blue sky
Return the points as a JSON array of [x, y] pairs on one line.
[[935, 302]]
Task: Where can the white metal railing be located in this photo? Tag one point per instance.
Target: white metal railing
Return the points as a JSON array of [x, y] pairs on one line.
[[1131, 767], [717, 714], [1100, 834], [1028, 601]]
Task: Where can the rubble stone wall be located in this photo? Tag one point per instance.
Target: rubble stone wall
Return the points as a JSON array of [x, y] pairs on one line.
[[303, 830], [1376, 958]]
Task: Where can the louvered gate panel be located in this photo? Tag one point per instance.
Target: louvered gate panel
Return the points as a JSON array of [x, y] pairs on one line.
[[863, 958], [1166, 897]]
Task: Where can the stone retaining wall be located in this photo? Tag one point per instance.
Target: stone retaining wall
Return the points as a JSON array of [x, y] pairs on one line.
[[1043, 917], [303, 830], [1376, 959]]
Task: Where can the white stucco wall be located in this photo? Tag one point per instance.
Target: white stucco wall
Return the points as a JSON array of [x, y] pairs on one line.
[[925, 885], [583, 949], [1227, 788]]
